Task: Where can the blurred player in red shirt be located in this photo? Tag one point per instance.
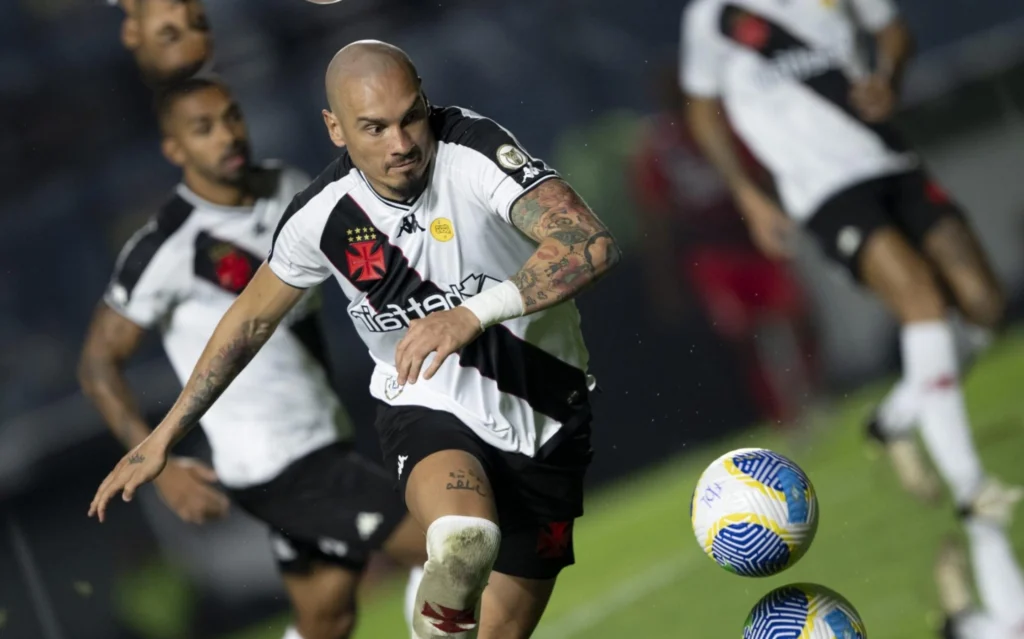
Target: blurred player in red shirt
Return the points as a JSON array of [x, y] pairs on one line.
[[694, 237]]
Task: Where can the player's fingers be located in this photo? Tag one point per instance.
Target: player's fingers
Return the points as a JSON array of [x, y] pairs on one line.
[[439, 357], [129, 489], [204, 472], [416, 362], [402, 367], [214, 502]]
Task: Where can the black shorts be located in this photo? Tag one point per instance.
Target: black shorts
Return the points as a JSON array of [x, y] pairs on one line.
[[331, 506], [538, 500], [911, 202]]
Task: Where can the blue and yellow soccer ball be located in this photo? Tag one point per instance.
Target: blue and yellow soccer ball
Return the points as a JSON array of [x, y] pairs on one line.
[[804, 611], [754, 512]]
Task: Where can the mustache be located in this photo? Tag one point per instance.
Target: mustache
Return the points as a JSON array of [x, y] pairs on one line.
[[412, 156], [238, 148]]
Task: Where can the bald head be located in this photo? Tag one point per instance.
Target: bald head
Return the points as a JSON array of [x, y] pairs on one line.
[[366, 62]]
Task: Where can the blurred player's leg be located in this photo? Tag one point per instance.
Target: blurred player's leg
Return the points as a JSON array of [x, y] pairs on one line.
[[324, 599], [513, 606], [996, 572], [904, 281], [963, 620]]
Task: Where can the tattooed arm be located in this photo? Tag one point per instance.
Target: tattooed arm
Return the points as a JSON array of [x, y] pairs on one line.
[[241, 333], [243, 330], [575, 248]]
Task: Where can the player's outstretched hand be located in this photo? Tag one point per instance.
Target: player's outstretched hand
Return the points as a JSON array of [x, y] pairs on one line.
[[442, 333], [185, 486], [140, 465]]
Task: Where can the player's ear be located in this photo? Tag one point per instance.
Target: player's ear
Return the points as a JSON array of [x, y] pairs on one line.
[[173, 151], [334, 128], [130, 36]]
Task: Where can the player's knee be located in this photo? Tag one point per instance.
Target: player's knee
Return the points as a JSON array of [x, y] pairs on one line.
[[460, 551], [336, 623]]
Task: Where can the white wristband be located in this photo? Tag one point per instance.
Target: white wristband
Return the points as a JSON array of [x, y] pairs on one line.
[[496, 304]]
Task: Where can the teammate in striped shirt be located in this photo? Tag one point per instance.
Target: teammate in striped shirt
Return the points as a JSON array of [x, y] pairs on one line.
[[793, 81], [460, 255], [281, 440]]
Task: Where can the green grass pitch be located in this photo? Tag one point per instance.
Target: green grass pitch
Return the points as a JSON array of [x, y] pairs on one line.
[[640, 573]]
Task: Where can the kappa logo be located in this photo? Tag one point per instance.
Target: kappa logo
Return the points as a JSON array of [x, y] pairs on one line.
[[510, 157], [401, 464], [333, 547], [529, 173], [365, 257], [849, 240], [282, 548], [410, 225], [367, 524]]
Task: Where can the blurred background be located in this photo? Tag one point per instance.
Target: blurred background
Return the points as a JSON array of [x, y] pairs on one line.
[[690, 360]]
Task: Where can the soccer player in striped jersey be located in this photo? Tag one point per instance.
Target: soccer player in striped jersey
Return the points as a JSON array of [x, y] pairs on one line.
[[280, 438], [460, 255]]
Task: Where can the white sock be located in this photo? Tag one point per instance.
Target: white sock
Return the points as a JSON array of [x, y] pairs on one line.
[[413, 585], [979, 625], [996, 572], [897, 414], [930, 367], [291, 633]]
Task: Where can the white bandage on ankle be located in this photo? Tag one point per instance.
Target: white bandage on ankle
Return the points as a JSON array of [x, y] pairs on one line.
[[496, 304]]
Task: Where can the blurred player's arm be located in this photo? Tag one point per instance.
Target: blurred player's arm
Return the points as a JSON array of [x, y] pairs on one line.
[[244, 329], [111, 341], [574, 246], [109, 344], [875, 96]]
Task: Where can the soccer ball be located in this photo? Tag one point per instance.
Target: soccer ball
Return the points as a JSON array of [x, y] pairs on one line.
[[807, 611], [754, 512]]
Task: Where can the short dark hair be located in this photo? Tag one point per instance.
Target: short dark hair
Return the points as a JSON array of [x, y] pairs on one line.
[[169, 95]]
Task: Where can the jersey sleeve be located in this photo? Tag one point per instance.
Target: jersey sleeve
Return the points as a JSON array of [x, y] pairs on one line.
[[496, 166], [874, 15], [148, 278], [699, 53], [295, 256]]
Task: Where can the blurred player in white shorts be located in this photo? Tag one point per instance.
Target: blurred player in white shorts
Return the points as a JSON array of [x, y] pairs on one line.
[[280, 437]]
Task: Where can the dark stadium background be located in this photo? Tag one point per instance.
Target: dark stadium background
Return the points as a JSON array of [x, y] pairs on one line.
[[81, 170]]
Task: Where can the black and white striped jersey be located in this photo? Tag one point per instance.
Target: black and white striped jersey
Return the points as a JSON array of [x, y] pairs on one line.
[[783, 69], [520, 382], [180, 273]]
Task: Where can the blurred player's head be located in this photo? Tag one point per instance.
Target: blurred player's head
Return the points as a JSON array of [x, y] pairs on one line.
[[379, 113], [204, 132], [169, 38]]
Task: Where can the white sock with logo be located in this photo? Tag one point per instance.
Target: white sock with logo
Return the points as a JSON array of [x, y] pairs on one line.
[[898, 412], [930, 368]]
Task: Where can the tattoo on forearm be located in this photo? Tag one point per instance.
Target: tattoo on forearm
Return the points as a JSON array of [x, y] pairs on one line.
[[465, 480], [207, 385], [575, 247]]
